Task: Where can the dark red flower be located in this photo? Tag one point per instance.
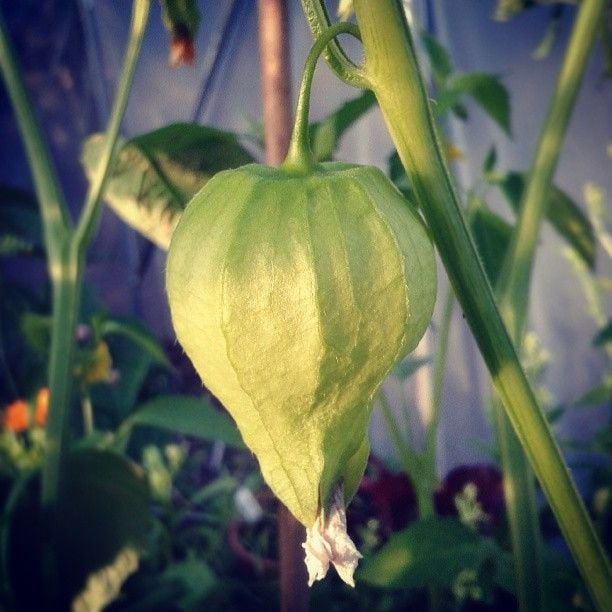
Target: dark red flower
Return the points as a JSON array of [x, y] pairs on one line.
[[485, 481]]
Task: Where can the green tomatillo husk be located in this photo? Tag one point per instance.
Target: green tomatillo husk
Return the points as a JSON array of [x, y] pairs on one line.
[[294, 296]]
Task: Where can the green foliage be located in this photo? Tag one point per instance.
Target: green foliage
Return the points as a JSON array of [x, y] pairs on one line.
[[104, 509], [185, 415], [434, 552], [439, 58], [132, 330], [485, 89], [20, 227], [325, 135], [561, 211], [181, 14], [157, 173], [492, 236], [604, 335]]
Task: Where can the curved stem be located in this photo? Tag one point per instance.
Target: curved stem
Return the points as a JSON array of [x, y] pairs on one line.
[[299, 158], [392, 68], [336, 58]]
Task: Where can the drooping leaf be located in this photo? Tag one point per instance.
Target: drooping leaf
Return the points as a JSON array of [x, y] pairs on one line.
[[492, 237], [488, 92], [157, 173], [430, 552], [604, 336], [325, 135], [561, 211], [104, 508], [134, 331], [185, 415], [438, 56]]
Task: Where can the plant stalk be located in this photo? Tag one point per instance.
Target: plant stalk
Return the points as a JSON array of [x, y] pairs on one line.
[[54, 211], [439, 368], [513, 284], [392, 69], [67, 289], [512, 292], [299, 158]]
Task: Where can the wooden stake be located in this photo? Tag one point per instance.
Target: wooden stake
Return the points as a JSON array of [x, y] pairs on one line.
[[277, 122]]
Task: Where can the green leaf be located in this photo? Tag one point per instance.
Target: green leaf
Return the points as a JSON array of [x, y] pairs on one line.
[[36, 330], [187, 415], [408, 366], [181, 14], [438, 56], [562, 212], [488, 92], [398, 175], [490, 160], [325, 135], [431, 552], [196, 580], [604, 336], [133, 365], [492, 237], [103, 510], [134, 331], [20, 227], [597, 396], [157, 173], [545, 46]]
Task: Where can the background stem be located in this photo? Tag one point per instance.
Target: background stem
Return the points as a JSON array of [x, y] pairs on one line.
[[513, 297], [54, 211], [392, 69]]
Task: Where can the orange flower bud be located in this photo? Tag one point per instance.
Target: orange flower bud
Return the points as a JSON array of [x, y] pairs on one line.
[[42, 407], [17, 416]]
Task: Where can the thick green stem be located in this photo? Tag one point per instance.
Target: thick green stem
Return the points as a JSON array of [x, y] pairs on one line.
[[67, 287], [392, 69], [513, 297], [299, 157], [54, 212]]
